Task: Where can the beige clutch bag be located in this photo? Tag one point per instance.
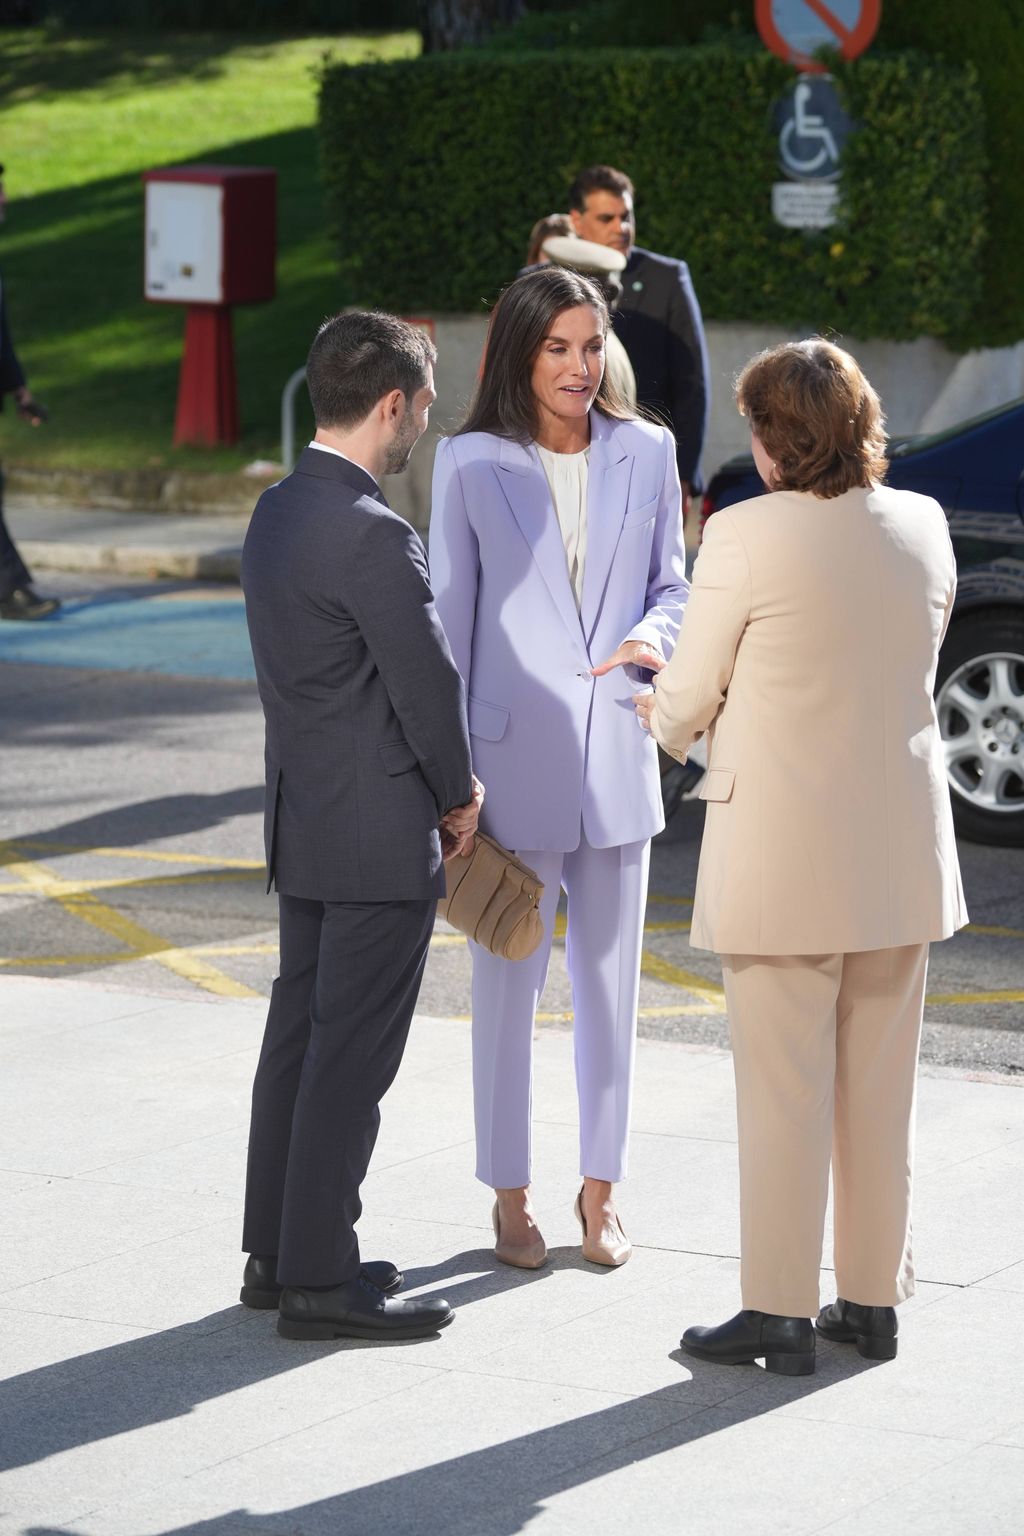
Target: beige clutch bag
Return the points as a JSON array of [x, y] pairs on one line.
[[494, 899]]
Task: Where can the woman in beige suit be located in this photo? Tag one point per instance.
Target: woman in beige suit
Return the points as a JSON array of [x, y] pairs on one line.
[[808, 655]]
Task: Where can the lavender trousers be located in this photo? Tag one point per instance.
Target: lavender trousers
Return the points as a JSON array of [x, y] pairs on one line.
[[606, 889]]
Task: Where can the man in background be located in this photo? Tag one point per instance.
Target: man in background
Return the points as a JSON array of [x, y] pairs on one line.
[[658, 319], [18, 600]]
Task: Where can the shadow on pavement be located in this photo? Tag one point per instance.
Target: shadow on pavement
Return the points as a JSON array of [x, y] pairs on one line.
[[132, 826], [495, 1491]]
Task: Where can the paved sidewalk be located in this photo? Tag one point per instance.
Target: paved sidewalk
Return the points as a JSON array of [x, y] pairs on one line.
[[128, 543], [138, 1398]]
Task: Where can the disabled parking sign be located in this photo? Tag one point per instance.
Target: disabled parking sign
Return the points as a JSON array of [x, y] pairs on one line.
[[797, 29], [812, 126]]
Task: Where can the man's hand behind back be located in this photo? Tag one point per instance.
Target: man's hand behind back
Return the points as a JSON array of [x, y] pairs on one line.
[[458, 827]]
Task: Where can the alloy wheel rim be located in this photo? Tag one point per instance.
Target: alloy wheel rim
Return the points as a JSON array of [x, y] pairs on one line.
[[981, 721]]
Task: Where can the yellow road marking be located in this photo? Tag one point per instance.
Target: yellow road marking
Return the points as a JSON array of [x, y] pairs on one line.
[[218, 950], [713, 994], [642, 1013], [959, 998], [190, 962], [152, 855], [144, 943], [119, 958], [207, 877]]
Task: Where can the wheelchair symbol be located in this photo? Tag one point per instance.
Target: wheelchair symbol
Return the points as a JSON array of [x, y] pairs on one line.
[[807, 147]]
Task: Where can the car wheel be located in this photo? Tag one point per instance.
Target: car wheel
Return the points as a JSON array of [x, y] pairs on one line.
[[979, 696]]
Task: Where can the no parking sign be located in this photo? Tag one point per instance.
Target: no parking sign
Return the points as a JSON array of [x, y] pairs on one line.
[[796, 29]]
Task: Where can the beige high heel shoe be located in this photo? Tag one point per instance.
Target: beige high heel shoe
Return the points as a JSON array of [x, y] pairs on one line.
[[525, 1255], [597, 1252]]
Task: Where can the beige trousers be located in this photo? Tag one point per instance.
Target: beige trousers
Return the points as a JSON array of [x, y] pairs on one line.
[[825, 1054]]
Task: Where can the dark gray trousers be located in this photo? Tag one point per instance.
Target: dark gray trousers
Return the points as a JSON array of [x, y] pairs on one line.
[[339, 1017]]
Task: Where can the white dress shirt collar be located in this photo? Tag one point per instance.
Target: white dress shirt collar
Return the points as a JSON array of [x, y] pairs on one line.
[[325, 448]]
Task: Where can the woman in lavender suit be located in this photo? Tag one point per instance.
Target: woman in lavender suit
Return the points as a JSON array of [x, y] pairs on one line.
[[557, 565]]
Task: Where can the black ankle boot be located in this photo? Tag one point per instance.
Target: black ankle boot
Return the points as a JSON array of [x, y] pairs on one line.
[[786, 1344], [872, 1329]]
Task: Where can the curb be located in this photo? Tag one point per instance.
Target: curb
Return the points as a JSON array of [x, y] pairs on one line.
[[180, 492], [150, 561]]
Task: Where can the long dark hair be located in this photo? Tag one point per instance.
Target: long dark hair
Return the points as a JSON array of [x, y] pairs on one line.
[[504, 402]]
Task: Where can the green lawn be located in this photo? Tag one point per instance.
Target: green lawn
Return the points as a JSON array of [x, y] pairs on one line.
[[81, 118]]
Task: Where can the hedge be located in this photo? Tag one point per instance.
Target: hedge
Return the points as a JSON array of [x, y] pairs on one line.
[[986, 33], [990, 34], [436, 168]]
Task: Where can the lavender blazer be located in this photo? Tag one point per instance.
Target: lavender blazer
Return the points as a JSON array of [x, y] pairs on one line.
[[558, 751]]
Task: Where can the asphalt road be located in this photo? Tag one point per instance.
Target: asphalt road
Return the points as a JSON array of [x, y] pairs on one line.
[[130, 833]]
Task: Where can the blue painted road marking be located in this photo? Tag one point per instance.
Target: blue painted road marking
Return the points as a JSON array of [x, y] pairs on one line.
[[179, 636]]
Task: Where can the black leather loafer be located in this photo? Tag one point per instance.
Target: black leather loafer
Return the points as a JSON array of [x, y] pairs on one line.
[[358, 1310], [26, 604], [261, 1291], [785, 1344], [872, 1329]]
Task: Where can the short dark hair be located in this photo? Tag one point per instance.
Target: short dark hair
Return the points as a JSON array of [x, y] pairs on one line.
[[816, 414], [598, 178], [359, 357], [505, 403]]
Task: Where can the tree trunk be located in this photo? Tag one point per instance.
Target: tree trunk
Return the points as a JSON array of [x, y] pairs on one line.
[[450, 24]]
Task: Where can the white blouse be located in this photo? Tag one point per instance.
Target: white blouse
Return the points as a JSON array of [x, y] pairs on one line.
[[567, 475]]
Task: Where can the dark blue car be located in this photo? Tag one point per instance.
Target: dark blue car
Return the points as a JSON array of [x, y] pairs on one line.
[[976, 470]]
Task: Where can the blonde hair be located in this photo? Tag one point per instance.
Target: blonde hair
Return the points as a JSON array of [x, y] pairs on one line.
[[816, 415]]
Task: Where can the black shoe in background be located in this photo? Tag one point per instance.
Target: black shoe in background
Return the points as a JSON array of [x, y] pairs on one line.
[[24, 603], [786, 1344], [872, 1329], [358, 1310], [261, 1291]]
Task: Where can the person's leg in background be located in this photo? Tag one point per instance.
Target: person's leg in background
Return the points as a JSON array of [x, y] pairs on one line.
[[18, 600]]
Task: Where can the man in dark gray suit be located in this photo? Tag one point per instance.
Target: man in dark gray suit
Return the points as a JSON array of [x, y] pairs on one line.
[[368, 783]]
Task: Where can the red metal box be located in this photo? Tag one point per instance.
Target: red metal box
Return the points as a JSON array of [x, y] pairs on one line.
[[211, 234]]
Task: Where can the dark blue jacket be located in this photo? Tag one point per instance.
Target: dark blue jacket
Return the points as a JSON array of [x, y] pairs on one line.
[[659, 323], [11, 374]]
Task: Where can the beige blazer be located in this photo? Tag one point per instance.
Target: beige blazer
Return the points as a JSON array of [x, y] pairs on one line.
[[808, 653]]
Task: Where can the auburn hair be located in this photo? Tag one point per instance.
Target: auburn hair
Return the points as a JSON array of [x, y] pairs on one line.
[[816, 415]]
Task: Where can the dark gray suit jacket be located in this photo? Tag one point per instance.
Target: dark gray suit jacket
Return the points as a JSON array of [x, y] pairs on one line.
[[367, 746]]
